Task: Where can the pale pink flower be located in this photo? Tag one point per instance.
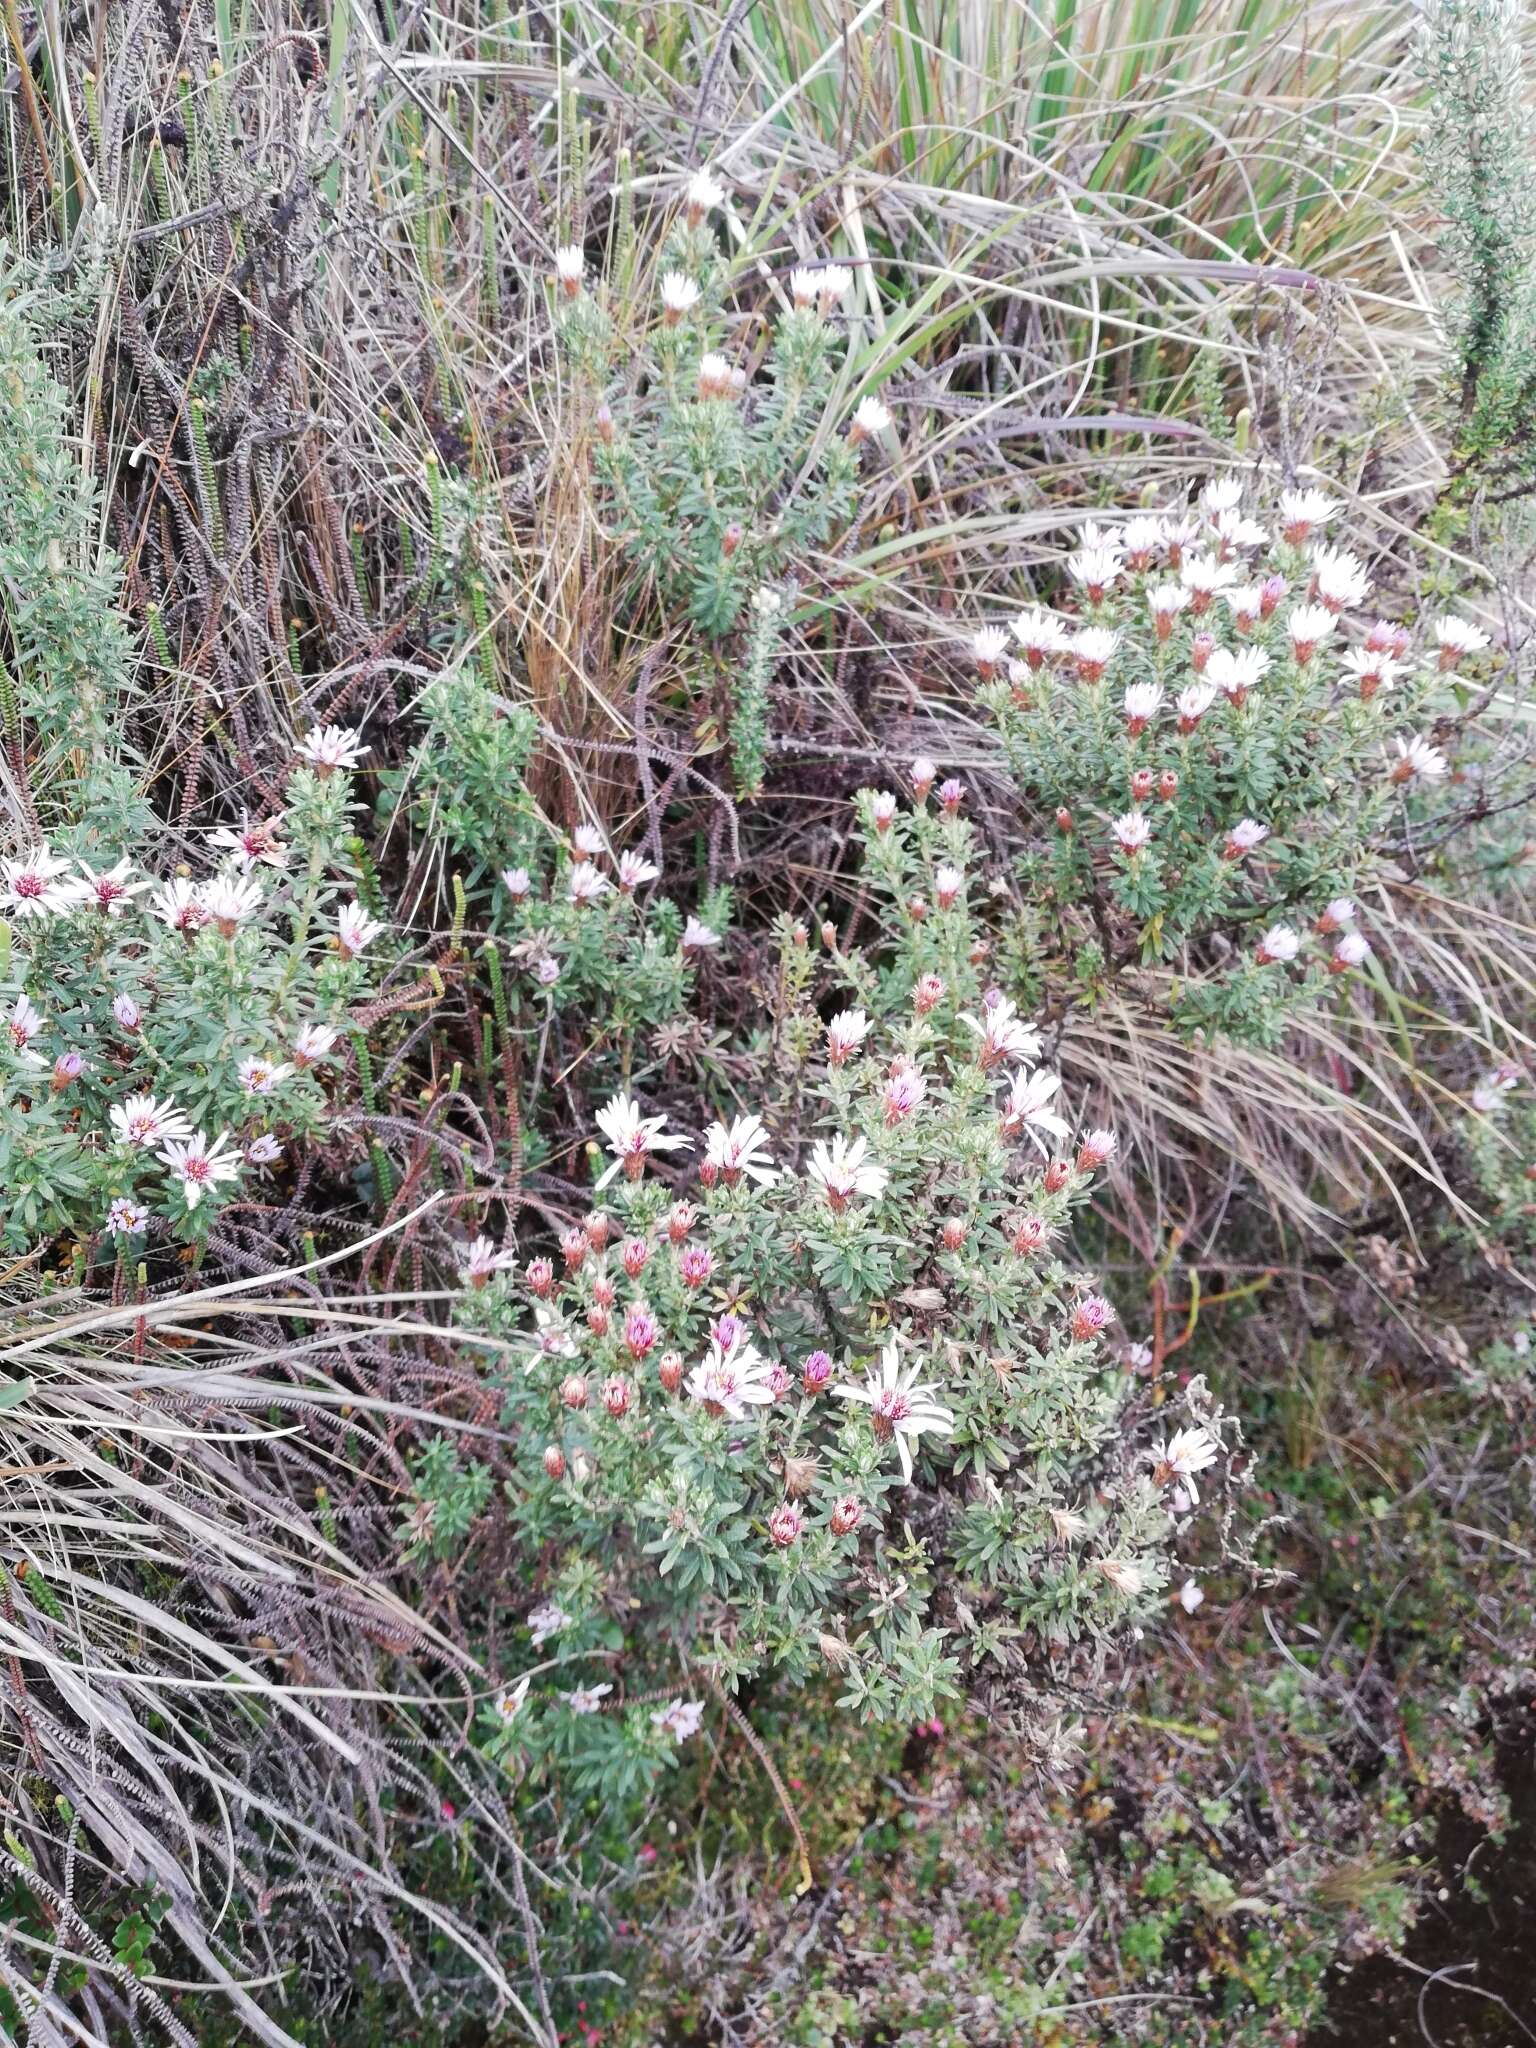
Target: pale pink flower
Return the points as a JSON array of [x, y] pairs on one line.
[[1003, 1034], [143, 1120], [586, 1699], [1353, 950], [882, 809], [843, 1170], [736, 1149], [546, 1620], [634, 869], [902, 1092], [263, 1151], [1091, 1317], [312, 1042], [355, 930], [199, 1164], [902, 1406], [680, 1718], [1244, 836], [586, 884], [482, 1259], [126, 1218], [229, 901], [127, 1012], [179, 904], [633, 1138], [1027, 1106], [111, 891], [1141, 704], [24, 1023], [845, 1034], [39, 884], [325, 748]]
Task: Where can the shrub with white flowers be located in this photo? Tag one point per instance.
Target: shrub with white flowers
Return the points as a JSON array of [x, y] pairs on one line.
[[721, 470], [164, 1036], [814, 1389], [1213, 749]]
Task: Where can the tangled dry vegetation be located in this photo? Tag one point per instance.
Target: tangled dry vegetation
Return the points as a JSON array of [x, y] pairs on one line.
[[343, 394]]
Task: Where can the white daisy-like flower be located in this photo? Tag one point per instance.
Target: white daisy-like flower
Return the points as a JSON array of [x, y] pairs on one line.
[[821, 287], [1203, 576], [586, 884], [1245, 605], [199, 1164], [39, 884], [112, 890], [1003, 1034], [546, 1620], [1092, 651], [1301, 511], [325, 748], [1167, 600], [1185, 1453], [517, 882], [1125, 1577], [509, 1704], [1041, 634], [680, 1718], [679, 294], [1131, 831], [126, 1218], [741, 1147], [1192, 703], [1221, 494], [23, 1024], [1416, 758], [698, 937], [144, 1120], [355, 930], [705, 193], [1353, 950], [263, 1151], [731, 1378], [1281, 943], [844, 1169], [714, 375], [1245, 835], [1458, 638], [902, 1406], [251, 841], [1491, 1090], [1371, 668], [589, 842], [1339, 579], [586, 1699], [1141, 703], [1095, 570], [633, 1138], [1190, 1596], [229, 901], [634, 869], [871, 417], [1027, 1106], [179, 904], [989, 648], [260, 1076], [1308, 626], [1140, 537], [1235, 671], [570, 267], [312, 1042], [1236, 530]]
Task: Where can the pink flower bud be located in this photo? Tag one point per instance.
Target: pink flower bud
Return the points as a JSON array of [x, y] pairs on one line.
[[1056, 1176], [636, 1252], [573, 1391], [952, 1233], [927, 994], [616, 1395], [1028, 1235], [815, 1371], [604, 1293], [1064, 820], [554, 1461], [597, 1320], [1201, 648], [541, 1277], [1168, 785], [573, 1249], [670, 1371], [680, 1221], [596, 1227], [785, 1524], [846, 1515], [640, 1331], [695, 1263], [1091, 1317], [1141, 785]]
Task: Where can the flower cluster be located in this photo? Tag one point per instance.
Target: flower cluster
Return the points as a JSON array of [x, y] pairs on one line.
[[816, 1386], [163, 1038], [1213, 749]]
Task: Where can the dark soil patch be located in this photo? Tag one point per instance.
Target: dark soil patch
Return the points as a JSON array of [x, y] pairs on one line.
[[1475, 1948]]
